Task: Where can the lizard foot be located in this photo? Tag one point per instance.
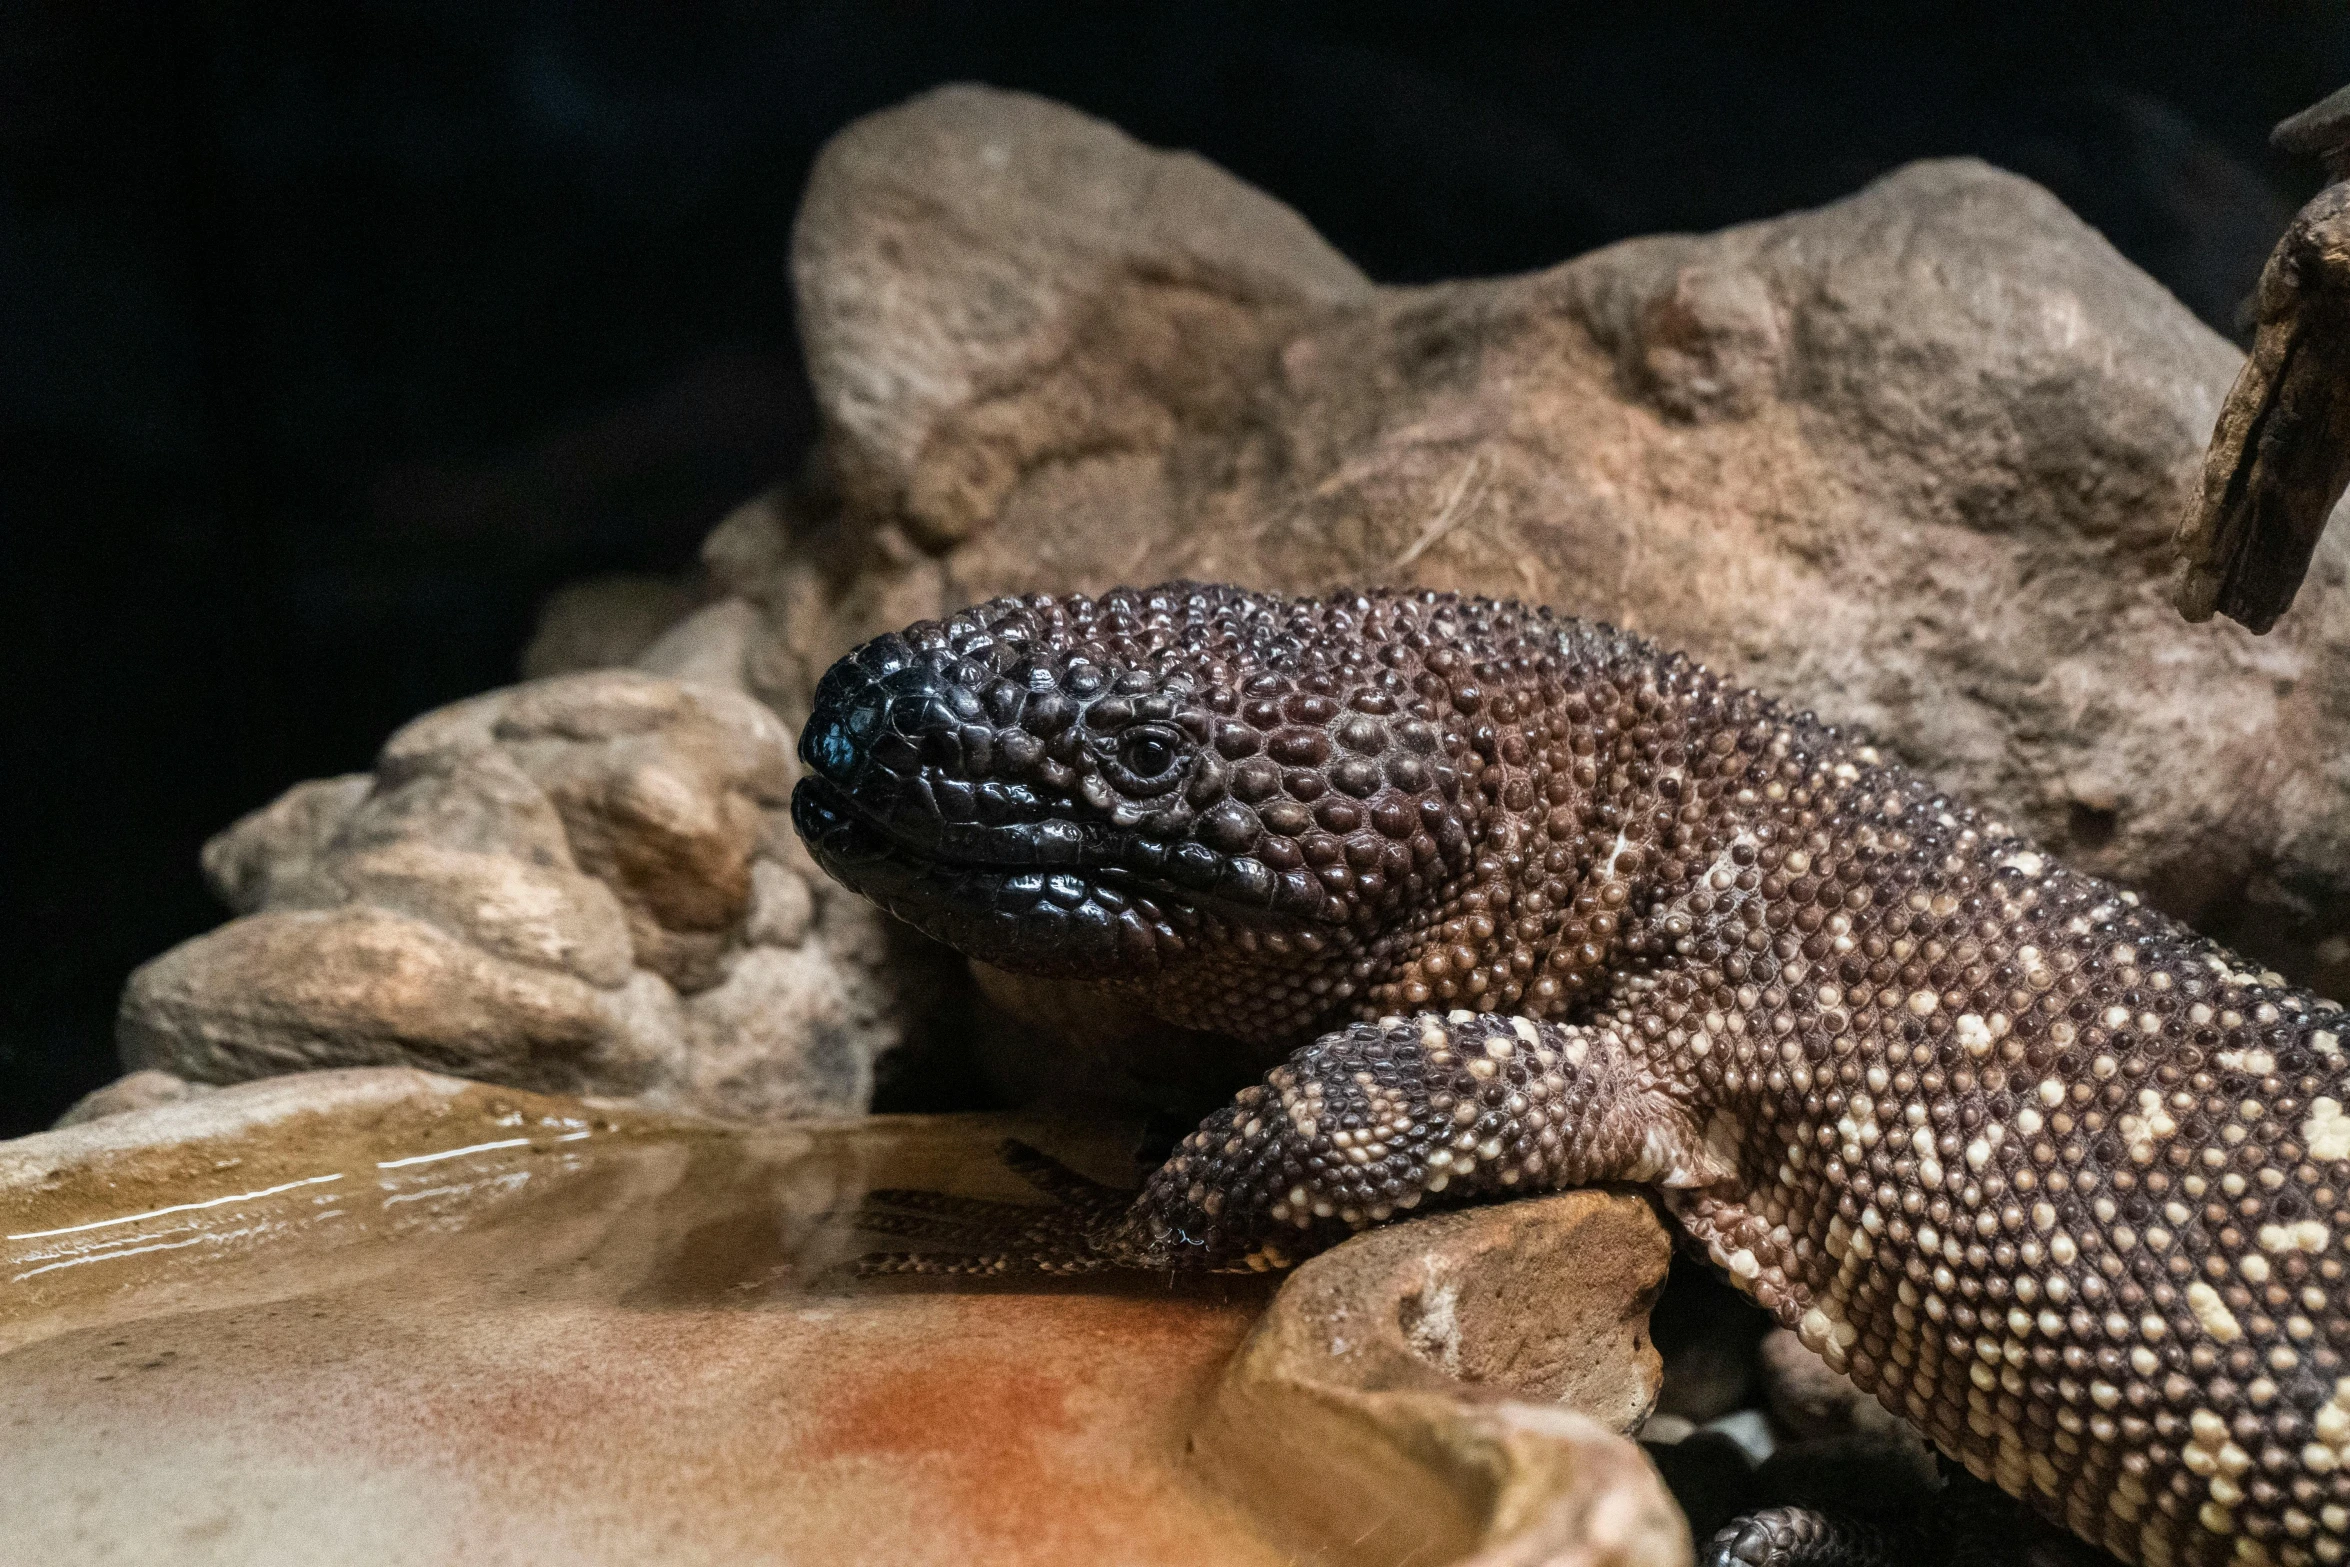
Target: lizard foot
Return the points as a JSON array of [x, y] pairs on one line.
[[1364, 1123], [1966, 1523], [1798, 1537], [1080, 1233]]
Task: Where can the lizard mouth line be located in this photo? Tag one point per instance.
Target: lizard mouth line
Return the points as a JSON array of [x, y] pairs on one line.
[[825, 812], [852, 836]]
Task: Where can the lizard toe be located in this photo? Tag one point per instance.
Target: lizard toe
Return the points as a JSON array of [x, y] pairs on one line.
[[1797, 1537]]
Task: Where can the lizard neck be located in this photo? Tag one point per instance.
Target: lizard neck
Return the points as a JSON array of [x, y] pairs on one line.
[[1595, 807]]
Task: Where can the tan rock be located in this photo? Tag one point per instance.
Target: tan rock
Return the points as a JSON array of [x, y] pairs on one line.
[[361, 986], [602, 623], [1351, 1390], [783, 905], [581, 883], [818, 579], [789, 1032], [543, 915], [709, 647], [664, 791], [277, 847], [143, 1090], [947, 252], [1910, 459], [478, 800]]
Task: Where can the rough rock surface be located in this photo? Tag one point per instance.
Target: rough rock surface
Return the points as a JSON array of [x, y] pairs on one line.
[[247, 1134], [581, 884], [141, 1090], [1910, 459], [601, 623], [1351, 1389]]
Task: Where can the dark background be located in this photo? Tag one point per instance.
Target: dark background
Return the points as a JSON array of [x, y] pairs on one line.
[[332, 337]]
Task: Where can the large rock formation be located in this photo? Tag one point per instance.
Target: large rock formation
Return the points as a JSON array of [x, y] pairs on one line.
[[582, 884], [1910, 460]]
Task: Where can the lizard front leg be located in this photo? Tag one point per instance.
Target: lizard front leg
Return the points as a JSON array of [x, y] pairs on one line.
[[1370, 1122]]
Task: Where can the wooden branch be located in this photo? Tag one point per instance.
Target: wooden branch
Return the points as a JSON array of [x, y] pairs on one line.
[[2280, 455]]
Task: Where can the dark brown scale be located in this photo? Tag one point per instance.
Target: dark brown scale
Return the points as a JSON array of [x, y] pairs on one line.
[[1537, 905]]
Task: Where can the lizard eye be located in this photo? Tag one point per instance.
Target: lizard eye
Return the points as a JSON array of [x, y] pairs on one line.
[[1148, 756]]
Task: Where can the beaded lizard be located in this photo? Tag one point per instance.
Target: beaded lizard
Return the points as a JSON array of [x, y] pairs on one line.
[[1537, 905]]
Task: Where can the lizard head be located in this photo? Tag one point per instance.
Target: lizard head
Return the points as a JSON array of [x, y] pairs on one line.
[[1154, 780]]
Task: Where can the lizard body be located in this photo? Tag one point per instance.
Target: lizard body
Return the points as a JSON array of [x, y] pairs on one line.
[[1536, 905]]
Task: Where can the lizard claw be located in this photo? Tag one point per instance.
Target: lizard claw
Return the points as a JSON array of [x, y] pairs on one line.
[[1057, 1181]]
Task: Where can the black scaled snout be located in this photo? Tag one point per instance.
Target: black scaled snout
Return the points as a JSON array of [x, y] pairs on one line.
[[885, 708], [895, 740]]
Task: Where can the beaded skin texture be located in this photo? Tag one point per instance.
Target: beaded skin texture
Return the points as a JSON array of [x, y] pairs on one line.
[[1535, 905]]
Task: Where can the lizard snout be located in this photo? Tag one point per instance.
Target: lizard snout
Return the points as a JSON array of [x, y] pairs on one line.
[[875, 710]]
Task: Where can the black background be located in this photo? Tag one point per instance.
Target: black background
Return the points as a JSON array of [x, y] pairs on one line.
[[332, 337]]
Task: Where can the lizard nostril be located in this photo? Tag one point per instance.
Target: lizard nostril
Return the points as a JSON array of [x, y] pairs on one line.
[[829, 746]]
